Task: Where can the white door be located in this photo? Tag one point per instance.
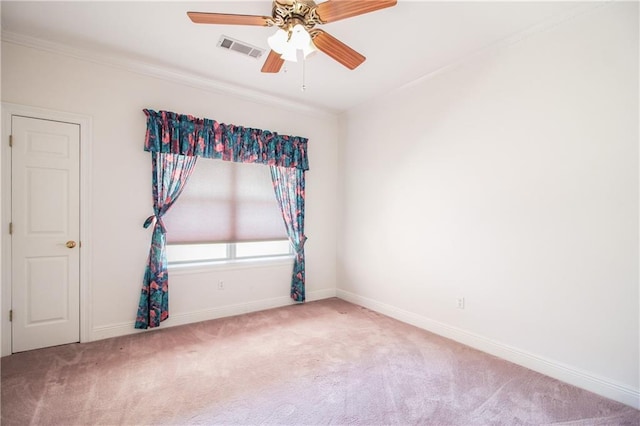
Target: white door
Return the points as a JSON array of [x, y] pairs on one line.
[[45, 219]]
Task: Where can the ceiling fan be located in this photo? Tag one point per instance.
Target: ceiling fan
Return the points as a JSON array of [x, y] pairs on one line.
[[296, 20]]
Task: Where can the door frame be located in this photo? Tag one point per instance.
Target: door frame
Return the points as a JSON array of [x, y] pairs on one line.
[[85, 123]]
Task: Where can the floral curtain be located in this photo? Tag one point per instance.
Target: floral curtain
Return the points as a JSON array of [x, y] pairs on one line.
[[170, 175], [288, 184], [175, 141]]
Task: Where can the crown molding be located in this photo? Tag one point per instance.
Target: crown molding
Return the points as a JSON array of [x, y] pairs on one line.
[[165, 73], [582, 9]]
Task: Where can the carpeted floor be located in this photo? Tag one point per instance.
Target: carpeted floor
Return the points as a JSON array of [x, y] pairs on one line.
[[326, 362]]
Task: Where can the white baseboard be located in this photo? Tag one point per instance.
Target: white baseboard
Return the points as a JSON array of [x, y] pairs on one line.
[[568, 374], [125, 328], [321, 294]]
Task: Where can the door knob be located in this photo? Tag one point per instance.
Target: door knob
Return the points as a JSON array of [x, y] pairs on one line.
[[71, 244]]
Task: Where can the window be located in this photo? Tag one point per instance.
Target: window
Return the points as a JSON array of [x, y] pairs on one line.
[[227, 211]]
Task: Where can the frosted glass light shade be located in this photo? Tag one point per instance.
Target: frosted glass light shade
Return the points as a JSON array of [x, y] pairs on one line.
[[278, 41], [299, 37], [287, 44], [309, 49], [290, 53]]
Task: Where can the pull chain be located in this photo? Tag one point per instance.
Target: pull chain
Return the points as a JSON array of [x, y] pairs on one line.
[[304, 62]]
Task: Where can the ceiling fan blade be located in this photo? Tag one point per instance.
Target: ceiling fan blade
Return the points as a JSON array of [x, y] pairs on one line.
[[228, 19], [337, 49], [273, 63], [334, 10]]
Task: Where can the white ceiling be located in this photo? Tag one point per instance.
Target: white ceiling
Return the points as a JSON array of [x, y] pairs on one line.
[[402, 43]]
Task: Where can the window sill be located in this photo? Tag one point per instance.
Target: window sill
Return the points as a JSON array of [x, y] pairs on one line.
[[226, 265]]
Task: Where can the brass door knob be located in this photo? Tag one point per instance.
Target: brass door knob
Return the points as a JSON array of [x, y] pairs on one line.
[[71, 244]]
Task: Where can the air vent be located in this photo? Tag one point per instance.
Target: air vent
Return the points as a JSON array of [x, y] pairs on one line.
[[229, 43]]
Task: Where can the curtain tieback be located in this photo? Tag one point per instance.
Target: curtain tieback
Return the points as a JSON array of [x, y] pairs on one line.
[[300, 246], [158, 220]]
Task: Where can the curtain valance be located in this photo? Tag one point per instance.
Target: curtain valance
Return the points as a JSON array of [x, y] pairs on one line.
[[168, 132]]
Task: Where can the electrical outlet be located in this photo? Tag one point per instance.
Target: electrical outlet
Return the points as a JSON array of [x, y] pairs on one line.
[[220, 285], [460, 302]]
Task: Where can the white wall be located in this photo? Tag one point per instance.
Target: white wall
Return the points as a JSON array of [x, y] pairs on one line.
[[121, 185], [510, 180]]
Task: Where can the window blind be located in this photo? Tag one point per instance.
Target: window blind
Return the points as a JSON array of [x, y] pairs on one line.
[[226, 202]]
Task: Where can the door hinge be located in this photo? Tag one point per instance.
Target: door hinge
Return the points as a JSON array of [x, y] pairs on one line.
[[10, 140], [11, 315], [10, 228]]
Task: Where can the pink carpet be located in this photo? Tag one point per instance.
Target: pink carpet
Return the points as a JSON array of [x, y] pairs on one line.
[[326, 362]]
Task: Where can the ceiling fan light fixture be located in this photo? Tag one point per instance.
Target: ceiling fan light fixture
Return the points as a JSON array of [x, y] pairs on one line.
[[299, 37], [309, 49], [287, 43], [290, 54], [278, 41]]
